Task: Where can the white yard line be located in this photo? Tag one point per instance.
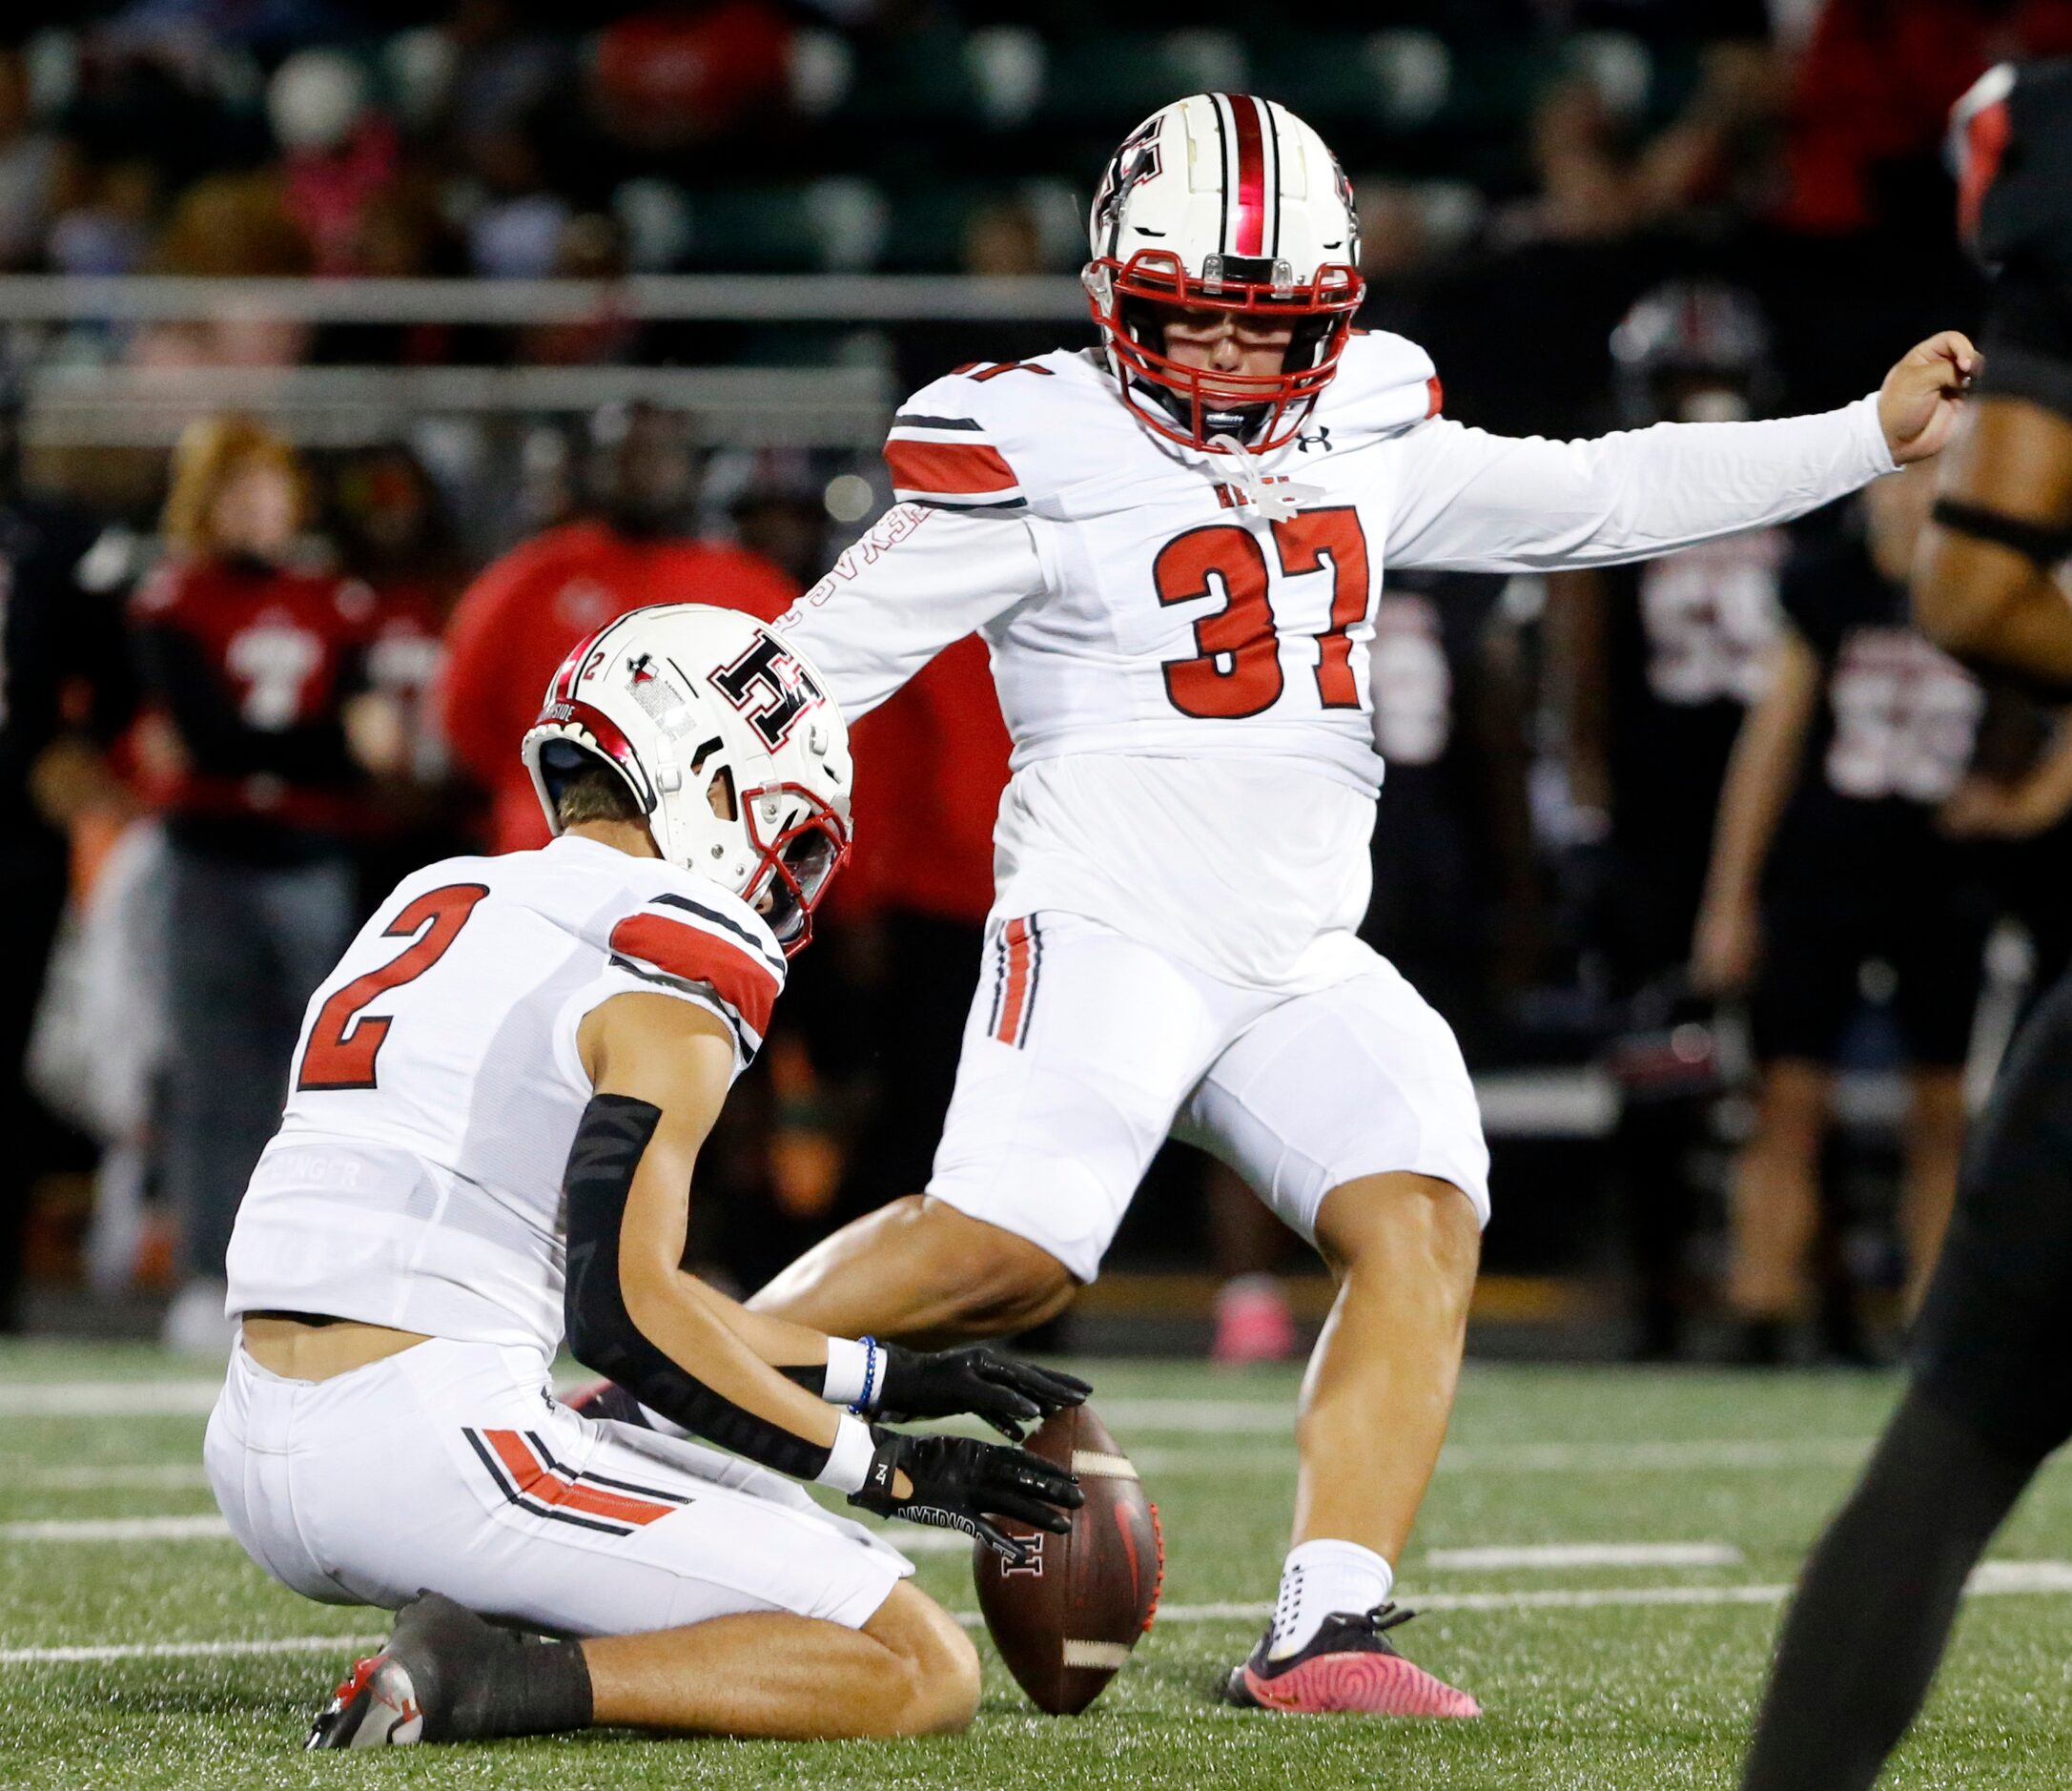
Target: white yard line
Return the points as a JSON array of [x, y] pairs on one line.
[[157, 1476], [109, 1399], [209, 1527], [1681, 1457], [199, 1526], [1498, 1557], [183, 1650], [1994, 1580], [913, 1539]]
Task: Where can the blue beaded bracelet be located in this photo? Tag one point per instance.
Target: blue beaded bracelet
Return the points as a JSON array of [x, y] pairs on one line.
[[862, 1407]]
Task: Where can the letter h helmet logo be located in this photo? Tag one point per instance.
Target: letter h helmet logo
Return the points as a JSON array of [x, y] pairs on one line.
[[1032, 1561], [768, 685]]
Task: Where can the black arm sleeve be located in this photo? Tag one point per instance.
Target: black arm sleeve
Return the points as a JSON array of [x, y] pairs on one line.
[[610, 1141]]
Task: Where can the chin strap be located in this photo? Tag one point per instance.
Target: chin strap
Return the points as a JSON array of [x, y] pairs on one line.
[[1279, 501]]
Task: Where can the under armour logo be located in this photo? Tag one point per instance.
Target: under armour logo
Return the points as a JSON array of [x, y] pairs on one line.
[[1319, 438]]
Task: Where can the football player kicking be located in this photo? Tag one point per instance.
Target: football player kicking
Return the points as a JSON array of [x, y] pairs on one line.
[[1990, 1391], [387, 1434], [1173, 544]]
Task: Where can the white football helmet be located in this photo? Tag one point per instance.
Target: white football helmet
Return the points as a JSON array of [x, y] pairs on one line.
[[1223, 202], [726, 739]]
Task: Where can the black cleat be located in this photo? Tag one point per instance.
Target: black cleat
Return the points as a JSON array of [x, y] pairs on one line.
[[390, 1697], [1348, 1665]]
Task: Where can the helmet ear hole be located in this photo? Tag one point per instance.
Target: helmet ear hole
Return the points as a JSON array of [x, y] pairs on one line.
[[721, 794]]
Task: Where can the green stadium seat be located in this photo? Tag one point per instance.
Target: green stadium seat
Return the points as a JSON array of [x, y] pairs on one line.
[[835, 225], [1128, 78]]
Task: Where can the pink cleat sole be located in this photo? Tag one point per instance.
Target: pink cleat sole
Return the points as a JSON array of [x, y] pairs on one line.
[[1371, 1685]]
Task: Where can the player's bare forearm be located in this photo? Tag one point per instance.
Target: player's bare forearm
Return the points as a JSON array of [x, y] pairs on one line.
[[680, 1316], [678, 1059], [780, 1342], [1983, 586]]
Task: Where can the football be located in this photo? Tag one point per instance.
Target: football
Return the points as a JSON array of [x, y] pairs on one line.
[[1066, 1619]]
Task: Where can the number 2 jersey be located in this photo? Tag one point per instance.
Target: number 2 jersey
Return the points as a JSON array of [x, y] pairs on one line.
[[1186, 679], [436, 1089]]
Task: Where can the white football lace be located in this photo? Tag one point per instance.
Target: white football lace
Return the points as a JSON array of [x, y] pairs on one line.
[[1276, 502]]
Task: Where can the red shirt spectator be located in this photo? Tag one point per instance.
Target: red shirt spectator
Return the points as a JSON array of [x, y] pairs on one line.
[[929, 768], [253, 663], [517, 622], [674, 74], [1876, 84]]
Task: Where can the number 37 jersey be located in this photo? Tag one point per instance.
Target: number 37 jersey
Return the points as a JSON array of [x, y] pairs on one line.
[[1180, 638], [437, 1087]]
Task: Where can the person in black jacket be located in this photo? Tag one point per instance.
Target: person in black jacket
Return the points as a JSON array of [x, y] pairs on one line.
[[63, 694]]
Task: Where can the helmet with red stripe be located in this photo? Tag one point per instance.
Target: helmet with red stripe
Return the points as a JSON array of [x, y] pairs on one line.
[[727, 740], [1222, 202]]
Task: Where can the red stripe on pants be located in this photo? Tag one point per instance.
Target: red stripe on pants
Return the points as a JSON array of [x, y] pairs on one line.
[[1015, 1002]]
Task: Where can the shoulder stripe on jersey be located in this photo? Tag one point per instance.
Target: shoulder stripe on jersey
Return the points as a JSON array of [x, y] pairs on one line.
[[700, 993], [691, 954], [727, 922], [913, 419], [951, 468]]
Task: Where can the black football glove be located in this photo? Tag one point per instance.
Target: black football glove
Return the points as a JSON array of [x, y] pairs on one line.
[[959, 1483], [1007, 1393]]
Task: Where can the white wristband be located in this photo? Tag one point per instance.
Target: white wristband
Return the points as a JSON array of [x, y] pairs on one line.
[[849, 1461], [849, 1369]]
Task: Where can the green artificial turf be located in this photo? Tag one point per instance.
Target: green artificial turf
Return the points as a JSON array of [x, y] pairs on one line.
[[1604, 1696]]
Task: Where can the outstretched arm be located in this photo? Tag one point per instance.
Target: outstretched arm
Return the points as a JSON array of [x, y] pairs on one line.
[[1497, 503], [920, 579]]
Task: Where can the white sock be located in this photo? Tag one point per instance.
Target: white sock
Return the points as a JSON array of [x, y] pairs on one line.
[[1322, 1580]]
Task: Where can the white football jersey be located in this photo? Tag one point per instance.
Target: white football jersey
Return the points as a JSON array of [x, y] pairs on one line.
[[1185, 675], [416, 1180]]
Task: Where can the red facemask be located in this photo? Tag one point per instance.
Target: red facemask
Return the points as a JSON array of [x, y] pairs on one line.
[[1275, 404]]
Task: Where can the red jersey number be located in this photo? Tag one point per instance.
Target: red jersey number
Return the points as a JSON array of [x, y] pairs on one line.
[[1236, 672], [342, 1047]]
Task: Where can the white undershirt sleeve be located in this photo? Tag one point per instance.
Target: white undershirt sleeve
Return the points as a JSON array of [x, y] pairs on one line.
[[920, 579], [1479, 503]]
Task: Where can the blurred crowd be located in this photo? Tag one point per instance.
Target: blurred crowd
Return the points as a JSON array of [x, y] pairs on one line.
[[1717, 839], [505, 138]]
